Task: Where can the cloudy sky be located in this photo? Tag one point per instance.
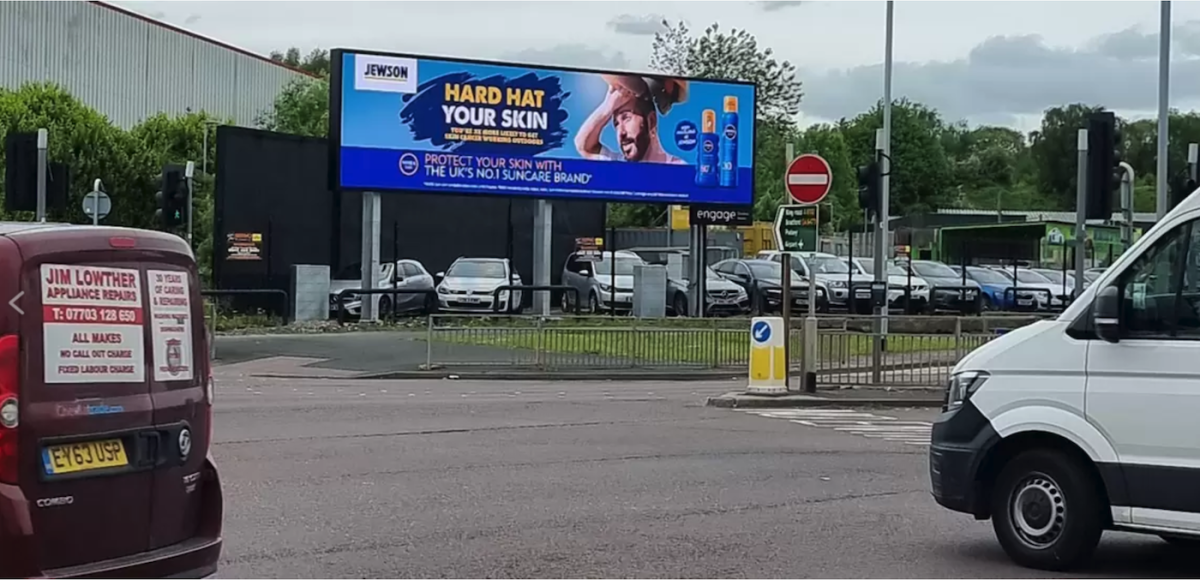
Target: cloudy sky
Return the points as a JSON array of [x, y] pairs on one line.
[[986, 62]]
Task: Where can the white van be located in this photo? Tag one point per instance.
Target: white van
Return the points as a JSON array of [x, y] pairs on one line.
[[1089, 422]]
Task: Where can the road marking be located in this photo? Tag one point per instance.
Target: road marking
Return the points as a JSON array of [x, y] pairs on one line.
[[858, 423]]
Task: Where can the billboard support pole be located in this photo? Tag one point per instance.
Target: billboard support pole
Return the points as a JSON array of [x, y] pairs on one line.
[[370, 254], [543, 220]]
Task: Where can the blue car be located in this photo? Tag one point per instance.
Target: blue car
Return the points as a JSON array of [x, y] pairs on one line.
[[997, 290]]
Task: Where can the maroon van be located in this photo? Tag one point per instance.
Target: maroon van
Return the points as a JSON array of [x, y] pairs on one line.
[[105, 406]]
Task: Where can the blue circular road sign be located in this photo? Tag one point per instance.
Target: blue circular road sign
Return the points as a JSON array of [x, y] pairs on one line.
[[761, 331]]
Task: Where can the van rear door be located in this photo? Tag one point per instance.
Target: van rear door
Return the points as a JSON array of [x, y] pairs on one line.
[[87, 441], [178, 376]]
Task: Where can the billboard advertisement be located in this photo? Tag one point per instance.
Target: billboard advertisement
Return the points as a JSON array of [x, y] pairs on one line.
[[407, 123]]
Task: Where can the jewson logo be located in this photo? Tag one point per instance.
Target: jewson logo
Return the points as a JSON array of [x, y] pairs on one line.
[[387, 74]]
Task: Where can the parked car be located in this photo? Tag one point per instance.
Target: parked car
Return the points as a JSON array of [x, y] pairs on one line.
[[402, 274], [105, 468], [600, 286], [1049, 295], [827, 269], [724, 297], [948, 290], [900, 283], [1064, 281], [763, 281], [997, 290], [469, 285]]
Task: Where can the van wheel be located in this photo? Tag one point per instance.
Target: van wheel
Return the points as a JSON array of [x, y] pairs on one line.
[[1046, 511], [593, 304], [385, 308], [565, 302], [680, 304]]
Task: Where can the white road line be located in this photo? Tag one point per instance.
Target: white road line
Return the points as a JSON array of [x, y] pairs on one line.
[[857, 423]]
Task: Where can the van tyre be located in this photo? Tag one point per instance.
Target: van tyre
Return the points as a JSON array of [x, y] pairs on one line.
[[593, 304], [1047, 511], [385, 308]]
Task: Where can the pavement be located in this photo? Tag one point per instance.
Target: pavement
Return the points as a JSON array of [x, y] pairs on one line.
[[404, 355], [333, 478]]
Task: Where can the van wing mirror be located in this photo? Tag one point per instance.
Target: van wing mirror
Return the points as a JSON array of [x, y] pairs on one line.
[[1106, 314]]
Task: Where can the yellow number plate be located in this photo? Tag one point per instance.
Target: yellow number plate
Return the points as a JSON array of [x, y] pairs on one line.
[[73, 457]]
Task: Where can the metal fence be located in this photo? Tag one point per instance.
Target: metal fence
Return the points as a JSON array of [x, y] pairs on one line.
[[918, 350]]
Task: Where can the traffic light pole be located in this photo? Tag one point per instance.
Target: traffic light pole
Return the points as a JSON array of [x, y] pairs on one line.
[[1127, 180], [189, 173], [43, 143], [883, 144], [1081, 210]]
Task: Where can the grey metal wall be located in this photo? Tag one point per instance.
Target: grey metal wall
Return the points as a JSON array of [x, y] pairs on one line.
[[657, 238], [128, 68]]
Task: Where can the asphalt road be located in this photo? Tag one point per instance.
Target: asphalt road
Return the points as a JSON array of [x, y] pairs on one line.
[[352, 478]]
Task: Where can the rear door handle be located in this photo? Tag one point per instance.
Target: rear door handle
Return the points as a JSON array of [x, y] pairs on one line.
[[150, 444]]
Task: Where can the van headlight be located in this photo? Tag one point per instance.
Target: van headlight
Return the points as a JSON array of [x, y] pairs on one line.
[[962, 385]]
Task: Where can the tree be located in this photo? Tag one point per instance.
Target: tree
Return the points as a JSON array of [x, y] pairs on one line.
[[83, 139], [736, 55], [302, 108], [1054, 151], [315, 63], [730, 56], [921, 178]]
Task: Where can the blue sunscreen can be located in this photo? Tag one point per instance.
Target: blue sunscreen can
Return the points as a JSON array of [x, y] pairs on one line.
[[728, 168]]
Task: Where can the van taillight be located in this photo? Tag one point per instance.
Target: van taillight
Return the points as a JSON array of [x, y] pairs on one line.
[[10, 390]]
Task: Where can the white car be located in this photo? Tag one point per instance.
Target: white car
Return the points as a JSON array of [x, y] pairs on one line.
[[401, 274], [470, 285], [898, 281], [1049, 294]]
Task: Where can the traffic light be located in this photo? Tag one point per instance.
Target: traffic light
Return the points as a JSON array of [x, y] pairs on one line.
[[172, 197], [1103, 167], [20, 172], [870, 184]]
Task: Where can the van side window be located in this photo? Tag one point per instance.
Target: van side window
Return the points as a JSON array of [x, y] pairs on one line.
[[1158, 301]]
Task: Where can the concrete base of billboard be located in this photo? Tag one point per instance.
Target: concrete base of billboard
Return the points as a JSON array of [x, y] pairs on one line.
[[310, 292]]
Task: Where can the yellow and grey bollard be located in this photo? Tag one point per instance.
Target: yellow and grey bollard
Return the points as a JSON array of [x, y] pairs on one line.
[[768, 357]]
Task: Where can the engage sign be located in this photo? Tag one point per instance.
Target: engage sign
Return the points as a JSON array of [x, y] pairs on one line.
[[405, 123]]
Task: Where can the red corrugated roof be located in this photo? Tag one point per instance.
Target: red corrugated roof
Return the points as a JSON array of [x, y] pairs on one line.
[[199, 37]]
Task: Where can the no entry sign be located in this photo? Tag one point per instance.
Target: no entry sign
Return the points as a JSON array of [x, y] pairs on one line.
[[808, 179]]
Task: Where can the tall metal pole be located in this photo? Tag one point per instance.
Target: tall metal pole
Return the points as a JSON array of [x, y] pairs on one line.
[[1081, 211], [1128, 177], [1164, 84], [882, 252], [43, 143], [190, 173]]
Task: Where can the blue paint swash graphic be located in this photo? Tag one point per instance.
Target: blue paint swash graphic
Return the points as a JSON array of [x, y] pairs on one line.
[[446, 126]]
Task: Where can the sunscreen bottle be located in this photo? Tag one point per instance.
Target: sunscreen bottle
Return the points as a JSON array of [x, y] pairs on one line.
[[706, 154], [729, 146]]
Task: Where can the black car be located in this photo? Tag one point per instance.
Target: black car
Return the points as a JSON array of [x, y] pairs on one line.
[[948, 291], [762, 280]]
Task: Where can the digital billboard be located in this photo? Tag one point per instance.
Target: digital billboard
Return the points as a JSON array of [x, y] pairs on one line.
[[410, 123]]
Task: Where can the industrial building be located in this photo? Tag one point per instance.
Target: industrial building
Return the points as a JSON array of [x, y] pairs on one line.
[[129, 67]]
